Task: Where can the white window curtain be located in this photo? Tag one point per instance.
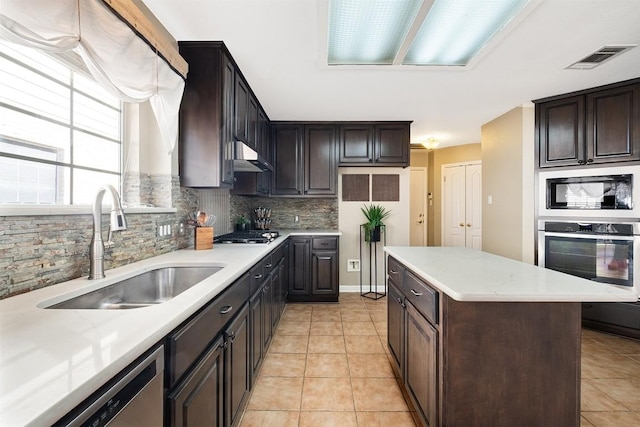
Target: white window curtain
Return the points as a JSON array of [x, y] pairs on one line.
[[116, 57]]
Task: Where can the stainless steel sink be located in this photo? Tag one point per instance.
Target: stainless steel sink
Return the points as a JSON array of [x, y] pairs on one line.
[[149, 288]]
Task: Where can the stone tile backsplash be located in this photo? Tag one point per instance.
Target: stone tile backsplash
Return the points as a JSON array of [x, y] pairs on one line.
[[312, 213], [39, 251], [42, 250]]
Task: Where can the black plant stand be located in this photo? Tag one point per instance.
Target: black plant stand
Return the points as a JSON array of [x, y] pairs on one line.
[[374, 292]]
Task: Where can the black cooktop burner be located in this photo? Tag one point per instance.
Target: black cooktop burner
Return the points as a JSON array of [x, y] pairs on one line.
[[254, 236]]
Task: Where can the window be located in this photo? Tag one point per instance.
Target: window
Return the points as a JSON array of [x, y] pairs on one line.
[[60, 132]]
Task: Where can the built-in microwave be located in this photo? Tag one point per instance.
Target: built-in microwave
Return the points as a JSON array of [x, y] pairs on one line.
[[590, 193]]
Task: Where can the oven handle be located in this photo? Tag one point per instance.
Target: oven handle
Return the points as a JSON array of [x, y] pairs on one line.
[[589, 236]]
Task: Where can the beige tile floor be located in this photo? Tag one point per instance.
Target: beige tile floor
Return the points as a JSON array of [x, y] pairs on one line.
[[610, 380], [328, 365]]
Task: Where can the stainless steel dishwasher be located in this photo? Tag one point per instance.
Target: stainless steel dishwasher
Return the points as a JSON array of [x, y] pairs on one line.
[[132, 398]]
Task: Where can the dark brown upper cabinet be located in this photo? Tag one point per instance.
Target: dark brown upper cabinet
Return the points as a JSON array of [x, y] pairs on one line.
[[374, 144], [304, 160], [207, 116], [600, 125], [241, 128]]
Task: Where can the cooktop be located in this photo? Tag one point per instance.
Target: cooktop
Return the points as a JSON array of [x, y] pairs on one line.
[[253, 236]]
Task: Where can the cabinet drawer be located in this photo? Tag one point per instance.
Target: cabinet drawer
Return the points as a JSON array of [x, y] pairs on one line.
[[423, 297], [395, 270], [256, 277], [323, 243], [185, 345]]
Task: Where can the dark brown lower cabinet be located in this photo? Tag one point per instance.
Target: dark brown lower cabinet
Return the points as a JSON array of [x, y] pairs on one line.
[[421, 351], [237, 367], [198, 401], [256, 308], [313, 269], [324, 269]]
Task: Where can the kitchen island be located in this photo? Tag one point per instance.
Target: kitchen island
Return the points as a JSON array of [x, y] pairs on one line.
[[484, 340]]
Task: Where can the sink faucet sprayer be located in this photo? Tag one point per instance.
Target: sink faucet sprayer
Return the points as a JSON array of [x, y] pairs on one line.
[[117, 223]]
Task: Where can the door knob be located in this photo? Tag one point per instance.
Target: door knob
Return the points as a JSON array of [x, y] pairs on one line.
[[461, 225], [468, 225]]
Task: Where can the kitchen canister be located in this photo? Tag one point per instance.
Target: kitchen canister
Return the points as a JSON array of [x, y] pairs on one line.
[[203, 238]]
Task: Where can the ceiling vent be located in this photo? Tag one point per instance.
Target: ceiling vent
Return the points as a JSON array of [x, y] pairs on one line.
[[599, 56]]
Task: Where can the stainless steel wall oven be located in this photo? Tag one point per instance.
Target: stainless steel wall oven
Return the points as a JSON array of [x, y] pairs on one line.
[[607, 252], [599, 251]]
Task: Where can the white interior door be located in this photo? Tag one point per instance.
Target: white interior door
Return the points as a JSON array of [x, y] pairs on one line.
[[454, 211], [462, 205], [418, 207], [473, 188]]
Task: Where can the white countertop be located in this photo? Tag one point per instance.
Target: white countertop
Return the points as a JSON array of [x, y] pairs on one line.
[[471, 275], [50, 360]]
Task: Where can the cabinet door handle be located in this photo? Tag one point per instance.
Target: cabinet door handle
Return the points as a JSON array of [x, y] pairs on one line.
[[392, 271], [258, 276], [226, 309], [589, 160], [268, 265], [461, 224], [468, 225], [232, 336], [399, 300], [416, 293], [581, 162]]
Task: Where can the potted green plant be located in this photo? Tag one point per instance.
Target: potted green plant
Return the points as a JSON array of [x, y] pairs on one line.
[[242, 223], [375, 215]]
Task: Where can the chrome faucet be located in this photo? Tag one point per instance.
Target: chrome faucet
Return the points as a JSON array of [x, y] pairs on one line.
[[117, 223]]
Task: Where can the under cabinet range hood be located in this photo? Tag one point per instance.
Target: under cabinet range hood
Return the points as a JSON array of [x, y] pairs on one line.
[[246, 159]]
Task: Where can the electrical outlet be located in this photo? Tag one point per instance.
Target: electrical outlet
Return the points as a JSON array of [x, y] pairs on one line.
[[163, 230], [353, 265]]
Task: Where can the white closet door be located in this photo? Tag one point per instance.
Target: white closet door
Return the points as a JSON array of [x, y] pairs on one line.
[[462, 205]]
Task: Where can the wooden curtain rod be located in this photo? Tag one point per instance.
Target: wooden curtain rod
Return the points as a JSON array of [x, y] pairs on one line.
[[135, 17]]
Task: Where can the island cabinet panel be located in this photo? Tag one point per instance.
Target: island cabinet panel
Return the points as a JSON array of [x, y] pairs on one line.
[[483, 363], [595, 126], [523, 359]]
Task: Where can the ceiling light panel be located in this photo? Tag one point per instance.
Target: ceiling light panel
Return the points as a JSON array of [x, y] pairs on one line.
[[454, 31], [368, 31]]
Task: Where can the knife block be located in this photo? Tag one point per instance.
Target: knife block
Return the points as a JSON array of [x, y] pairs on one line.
[[203, 238]]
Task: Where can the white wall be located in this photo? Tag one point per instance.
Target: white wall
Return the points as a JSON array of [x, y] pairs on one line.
[[507, 176], [350, 217]]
